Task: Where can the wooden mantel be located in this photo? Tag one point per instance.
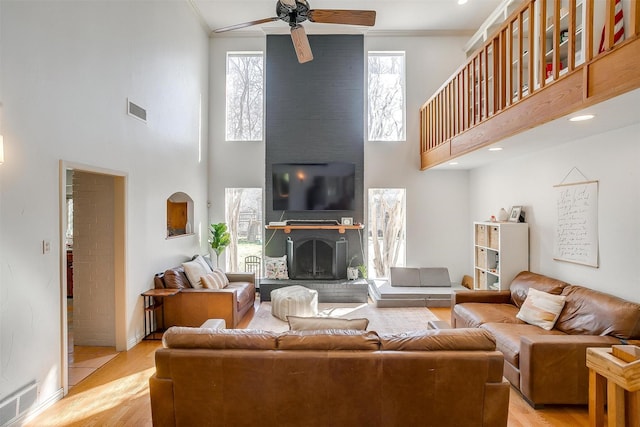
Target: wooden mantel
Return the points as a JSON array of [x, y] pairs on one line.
[[483, 102], [341, 228]]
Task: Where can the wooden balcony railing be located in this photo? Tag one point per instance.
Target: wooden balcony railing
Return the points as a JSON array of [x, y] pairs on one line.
[[542, 44]]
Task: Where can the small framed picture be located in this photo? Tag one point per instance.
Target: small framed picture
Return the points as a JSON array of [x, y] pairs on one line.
[[514, 215], [347, 221]]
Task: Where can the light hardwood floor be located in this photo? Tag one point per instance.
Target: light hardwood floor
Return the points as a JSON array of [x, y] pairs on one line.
[[118, 395]]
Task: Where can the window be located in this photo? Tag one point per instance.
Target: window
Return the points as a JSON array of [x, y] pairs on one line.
[[387, 238], [386, 92], [244, 106], [243, 208]]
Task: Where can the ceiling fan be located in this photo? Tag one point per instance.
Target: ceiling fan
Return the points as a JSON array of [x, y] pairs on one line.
[[296, 11]]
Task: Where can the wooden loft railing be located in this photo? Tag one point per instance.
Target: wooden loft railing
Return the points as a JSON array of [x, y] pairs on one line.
[[531, 71]]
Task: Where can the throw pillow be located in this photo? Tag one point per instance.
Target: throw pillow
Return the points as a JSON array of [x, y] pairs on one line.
[[222, 277], [212, 281], [194, 271], [297, 323], [541, 309], [205, 264], [276, 267]]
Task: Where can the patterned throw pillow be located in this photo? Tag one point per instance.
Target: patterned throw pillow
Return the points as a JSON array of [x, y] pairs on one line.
[[222, 277], [276, 267], [541, 309]]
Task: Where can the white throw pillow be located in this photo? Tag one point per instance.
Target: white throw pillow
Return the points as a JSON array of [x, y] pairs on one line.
[[212, 281], [194, 271], [541, 309], [205, 264], [276, 267]]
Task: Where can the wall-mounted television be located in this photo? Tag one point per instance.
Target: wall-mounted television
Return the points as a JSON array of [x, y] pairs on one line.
[[314, 186]]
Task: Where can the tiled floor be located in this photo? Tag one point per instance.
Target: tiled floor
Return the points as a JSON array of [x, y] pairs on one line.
[[83, 360]]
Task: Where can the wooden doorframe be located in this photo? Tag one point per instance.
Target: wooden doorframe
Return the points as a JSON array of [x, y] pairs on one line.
[[120, 276]]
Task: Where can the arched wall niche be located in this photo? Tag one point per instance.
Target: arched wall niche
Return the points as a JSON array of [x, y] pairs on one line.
[[179, 215]]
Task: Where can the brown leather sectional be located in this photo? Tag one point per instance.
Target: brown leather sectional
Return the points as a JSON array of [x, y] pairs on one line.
[[192, 307], [449, 377], [548, 367]]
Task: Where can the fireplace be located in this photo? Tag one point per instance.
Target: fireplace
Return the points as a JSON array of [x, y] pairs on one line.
[[315, 258]]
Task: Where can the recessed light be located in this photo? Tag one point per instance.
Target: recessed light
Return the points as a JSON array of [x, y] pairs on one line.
[[462, 1], [495, 149], [581, 118], [453, 163]]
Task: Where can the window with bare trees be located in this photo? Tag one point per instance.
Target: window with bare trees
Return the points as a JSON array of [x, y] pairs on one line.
[[386, 93], [245, 93], [244, 221], [387, 223]]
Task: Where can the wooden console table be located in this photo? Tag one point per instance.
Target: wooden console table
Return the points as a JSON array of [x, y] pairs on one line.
[[622, 381], [154, 300]]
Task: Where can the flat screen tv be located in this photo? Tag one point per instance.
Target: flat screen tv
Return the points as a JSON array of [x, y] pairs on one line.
[[313, 186]]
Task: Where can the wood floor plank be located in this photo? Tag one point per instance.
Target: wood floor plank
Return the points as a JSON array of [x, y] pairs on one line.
[[118, 395]]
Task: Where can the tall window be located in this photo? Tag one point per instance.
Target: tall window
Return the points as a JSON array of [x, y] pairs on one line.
[[387, 223], [386, 92], [244, 219], [245, 82]]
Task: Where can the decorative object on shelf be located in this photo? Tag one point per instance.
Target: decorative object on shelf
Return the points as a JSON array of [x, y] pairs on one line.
[[347, 221], [219, 239], [503, 215], [514, 216]]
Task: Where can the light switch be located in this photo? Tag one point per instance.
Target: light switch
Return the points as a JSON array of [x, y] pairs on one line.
[[46, 246]]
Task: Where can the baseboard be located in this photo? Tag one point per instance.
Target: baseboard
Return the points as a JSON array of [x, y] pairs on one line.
[[37, 410]]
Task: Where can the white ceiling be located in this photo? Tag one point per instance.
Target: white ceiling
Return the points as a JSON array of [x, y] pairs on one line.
[[391, 15]]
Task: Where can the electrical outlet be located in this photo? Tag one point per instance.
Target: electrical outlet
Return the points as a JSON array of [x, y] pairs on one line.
[[46, 246]]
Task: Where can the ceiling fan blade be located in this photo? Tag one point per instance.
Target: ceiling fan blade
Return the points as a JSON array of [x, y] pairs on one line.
[[245, 24], [301, 44], [335, 16]]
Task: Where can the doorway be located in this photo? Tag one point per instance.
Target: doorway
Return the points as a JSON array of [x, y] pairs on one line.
[[93, 266]]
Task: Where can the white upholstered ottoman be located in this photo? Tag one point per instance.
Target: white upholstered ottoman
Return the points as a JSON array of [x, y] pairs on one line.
[[294, 301]]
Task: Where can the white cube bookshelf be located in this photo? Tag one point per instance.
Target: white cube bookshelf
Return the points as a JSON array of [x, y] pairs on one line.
[[501, 251]]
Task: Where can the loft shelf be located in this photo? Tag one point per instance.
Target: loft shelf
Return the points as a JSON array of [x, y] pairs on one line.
[[341, 228]]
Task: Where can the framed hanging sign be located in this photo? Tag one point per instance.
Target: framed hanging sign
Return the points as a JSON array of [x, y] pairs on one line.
[[576, 232]]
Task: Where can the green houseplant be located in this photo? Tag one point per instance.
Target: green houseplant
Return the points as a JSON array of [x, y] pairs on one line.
[[219, 239]]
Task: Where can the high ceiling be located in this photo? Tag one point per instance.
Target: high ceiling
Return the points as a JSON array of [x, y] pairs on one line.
[[424, 16], [391, 15]]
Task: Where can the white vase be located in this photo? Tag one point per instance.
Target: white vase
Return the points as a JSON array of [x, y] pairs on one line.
[[503, 215], [352, 273]]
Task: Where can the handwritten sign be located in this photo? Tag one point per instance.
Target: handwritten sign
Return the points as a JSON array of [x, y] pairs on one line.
[[576, 237]]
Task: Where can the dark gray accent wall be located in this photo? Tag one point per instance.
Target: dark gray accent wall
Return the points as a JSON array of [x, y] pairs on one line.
[[315, 113]]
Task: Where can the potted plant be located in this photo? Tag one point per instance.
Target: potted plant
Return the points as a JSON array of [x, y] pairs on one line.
[[219, 239], [363, 270]]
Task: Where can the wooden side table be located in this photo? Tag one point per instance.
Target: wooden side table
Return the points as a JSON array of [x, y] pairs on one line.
[[154, 300], [622, 381]]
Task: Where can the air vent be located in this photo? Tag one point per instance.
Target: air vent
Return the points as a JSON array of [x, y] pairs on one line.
[[137, 111], [16, 405]]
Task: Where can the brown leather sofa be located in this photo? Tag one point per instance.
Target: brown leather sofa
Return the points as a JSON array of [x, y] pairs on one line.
[[192, 307], [548, 367], [207, 377]]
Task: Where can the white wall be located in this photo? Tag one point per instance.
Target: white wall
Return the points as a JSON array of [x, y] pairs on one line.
[[239, 164], [437, 201], [67, 70], [612, 158]]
